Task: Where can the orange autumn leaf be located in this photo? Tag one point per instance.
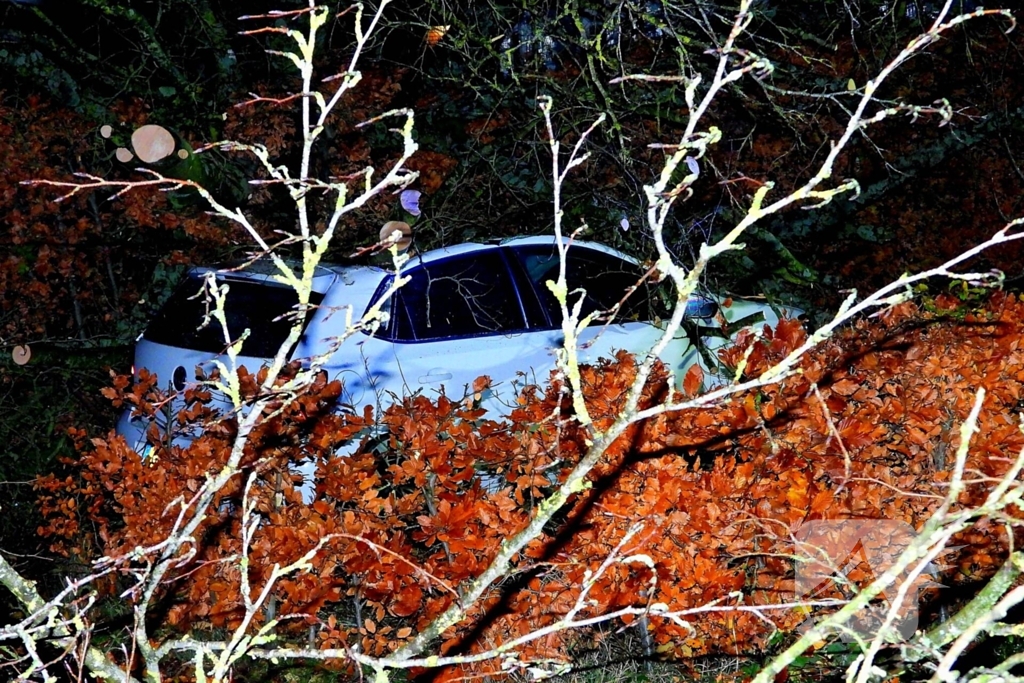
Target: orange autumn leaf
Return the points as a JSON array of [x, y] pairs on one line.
[[407, 602], [709, 484], [693, 381]]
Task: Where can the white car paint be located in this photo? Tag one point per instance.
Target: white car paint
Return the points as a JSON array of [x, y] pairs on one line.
[[376, 367]]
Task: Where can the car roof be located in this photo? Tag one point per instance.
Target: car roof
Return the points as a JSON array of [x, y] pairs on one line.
[[539, 240], [366, 275], [550, 239], [264, 270]]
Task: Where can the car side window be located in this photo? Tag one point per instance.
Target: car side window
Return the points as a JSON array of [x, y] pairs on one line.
[[606, 279], [463, 296]]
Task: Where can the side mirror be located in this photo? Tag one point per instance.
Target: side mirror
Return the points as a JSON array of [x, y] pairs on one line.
[[700, 307]]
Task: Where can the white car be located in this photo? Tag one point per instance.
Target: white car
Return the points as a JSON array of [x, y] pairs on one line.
[[467, 311]]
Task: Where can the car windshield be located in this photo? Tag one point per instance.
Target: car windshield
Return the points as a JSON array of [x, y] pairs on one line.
[[259, 306]]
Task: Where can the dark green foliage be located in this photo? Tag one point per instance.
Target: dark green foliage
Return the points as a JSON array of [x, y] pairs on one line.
[[57, 389], [474, 91]]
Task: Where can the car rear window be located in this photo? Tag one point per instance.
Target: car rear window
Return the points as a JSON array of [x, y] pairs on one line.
[[260, 307]]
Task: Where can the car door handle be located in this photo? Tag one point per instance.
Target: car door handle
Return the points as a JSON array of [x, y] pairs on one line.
[[434, 376]]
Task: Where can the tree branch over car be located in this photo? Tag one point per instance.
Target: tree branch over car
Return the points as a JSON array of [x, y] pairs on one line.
[[575, 438]]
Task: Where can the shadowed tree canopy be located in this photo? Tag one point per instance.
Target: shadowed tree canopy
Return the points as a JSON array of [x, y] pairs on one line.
[[472, 69]]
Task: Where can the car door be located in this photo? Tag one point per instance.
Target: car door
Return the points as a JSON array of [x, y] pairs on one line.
[[457, 319], [605, 281]]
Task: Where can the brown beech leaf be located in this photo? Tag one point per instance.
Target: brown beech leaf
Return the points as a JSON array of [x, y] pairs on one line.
[[693, 381]]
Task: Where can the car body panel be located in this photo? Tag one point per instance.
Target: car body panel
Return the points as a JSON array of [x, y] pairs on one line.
[[494, 295]]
